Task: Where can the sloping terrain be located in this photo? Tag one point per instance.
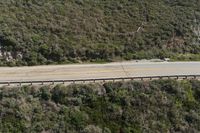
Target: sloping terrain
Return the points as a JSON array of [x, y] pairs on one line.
[[62, 31], [121, 107]]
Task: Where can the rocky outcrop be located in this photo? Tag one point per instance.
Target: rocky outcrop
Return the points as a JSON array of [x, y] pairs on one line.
[[10, 56]]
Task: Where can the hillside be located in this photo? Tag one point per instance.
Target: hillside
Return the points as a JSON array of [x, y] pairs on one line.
[[121, 107], [65, 31]]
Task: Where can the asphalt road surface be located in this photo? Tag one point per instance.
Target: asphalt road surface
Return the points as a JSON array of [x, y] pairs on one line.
[[88, 71]]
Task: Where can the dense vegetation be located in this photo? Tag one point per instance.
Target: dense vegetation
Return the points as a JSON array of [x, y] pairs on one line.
[[121, 107], [62, 31]]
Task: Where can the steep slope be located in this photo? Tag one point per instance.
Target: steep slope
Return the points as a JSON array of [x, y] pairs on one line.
[[122, 107], [60, 31]]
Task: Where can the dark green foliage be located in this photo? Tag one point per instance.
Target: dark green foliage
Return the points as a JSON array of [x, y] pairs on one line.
[[45, 94], [63, 31], [126, 107]]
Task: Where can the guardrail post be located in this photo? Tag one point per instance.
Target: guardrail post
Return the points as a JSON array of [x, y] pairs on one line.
[[195, 77], [63, 82], [8, 83], [53, 82]]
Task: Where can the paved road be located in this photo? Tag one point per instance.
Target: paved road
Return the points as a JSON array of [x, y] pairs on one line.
[[109, 70]]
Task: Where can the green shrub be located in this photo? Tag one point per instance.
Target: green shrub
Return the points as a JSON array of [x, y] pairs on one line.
[[149, 106], [102, 31]]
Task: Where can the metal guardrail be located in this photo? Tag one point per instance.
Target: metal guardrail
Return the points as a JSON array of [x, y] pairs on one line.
[[178, 77]]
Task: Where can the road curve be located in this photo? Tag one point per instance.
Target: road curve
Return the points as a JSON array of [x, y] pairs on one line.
[[89, 71]]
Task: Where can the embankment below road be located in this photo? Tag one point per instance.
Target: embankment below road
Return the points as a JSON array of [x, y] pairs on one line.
[[148, 106]]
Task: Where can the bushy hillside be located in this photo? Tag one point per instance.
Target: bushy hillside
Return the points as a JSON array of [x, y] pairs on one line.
[[122, 107], [61, 31]]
